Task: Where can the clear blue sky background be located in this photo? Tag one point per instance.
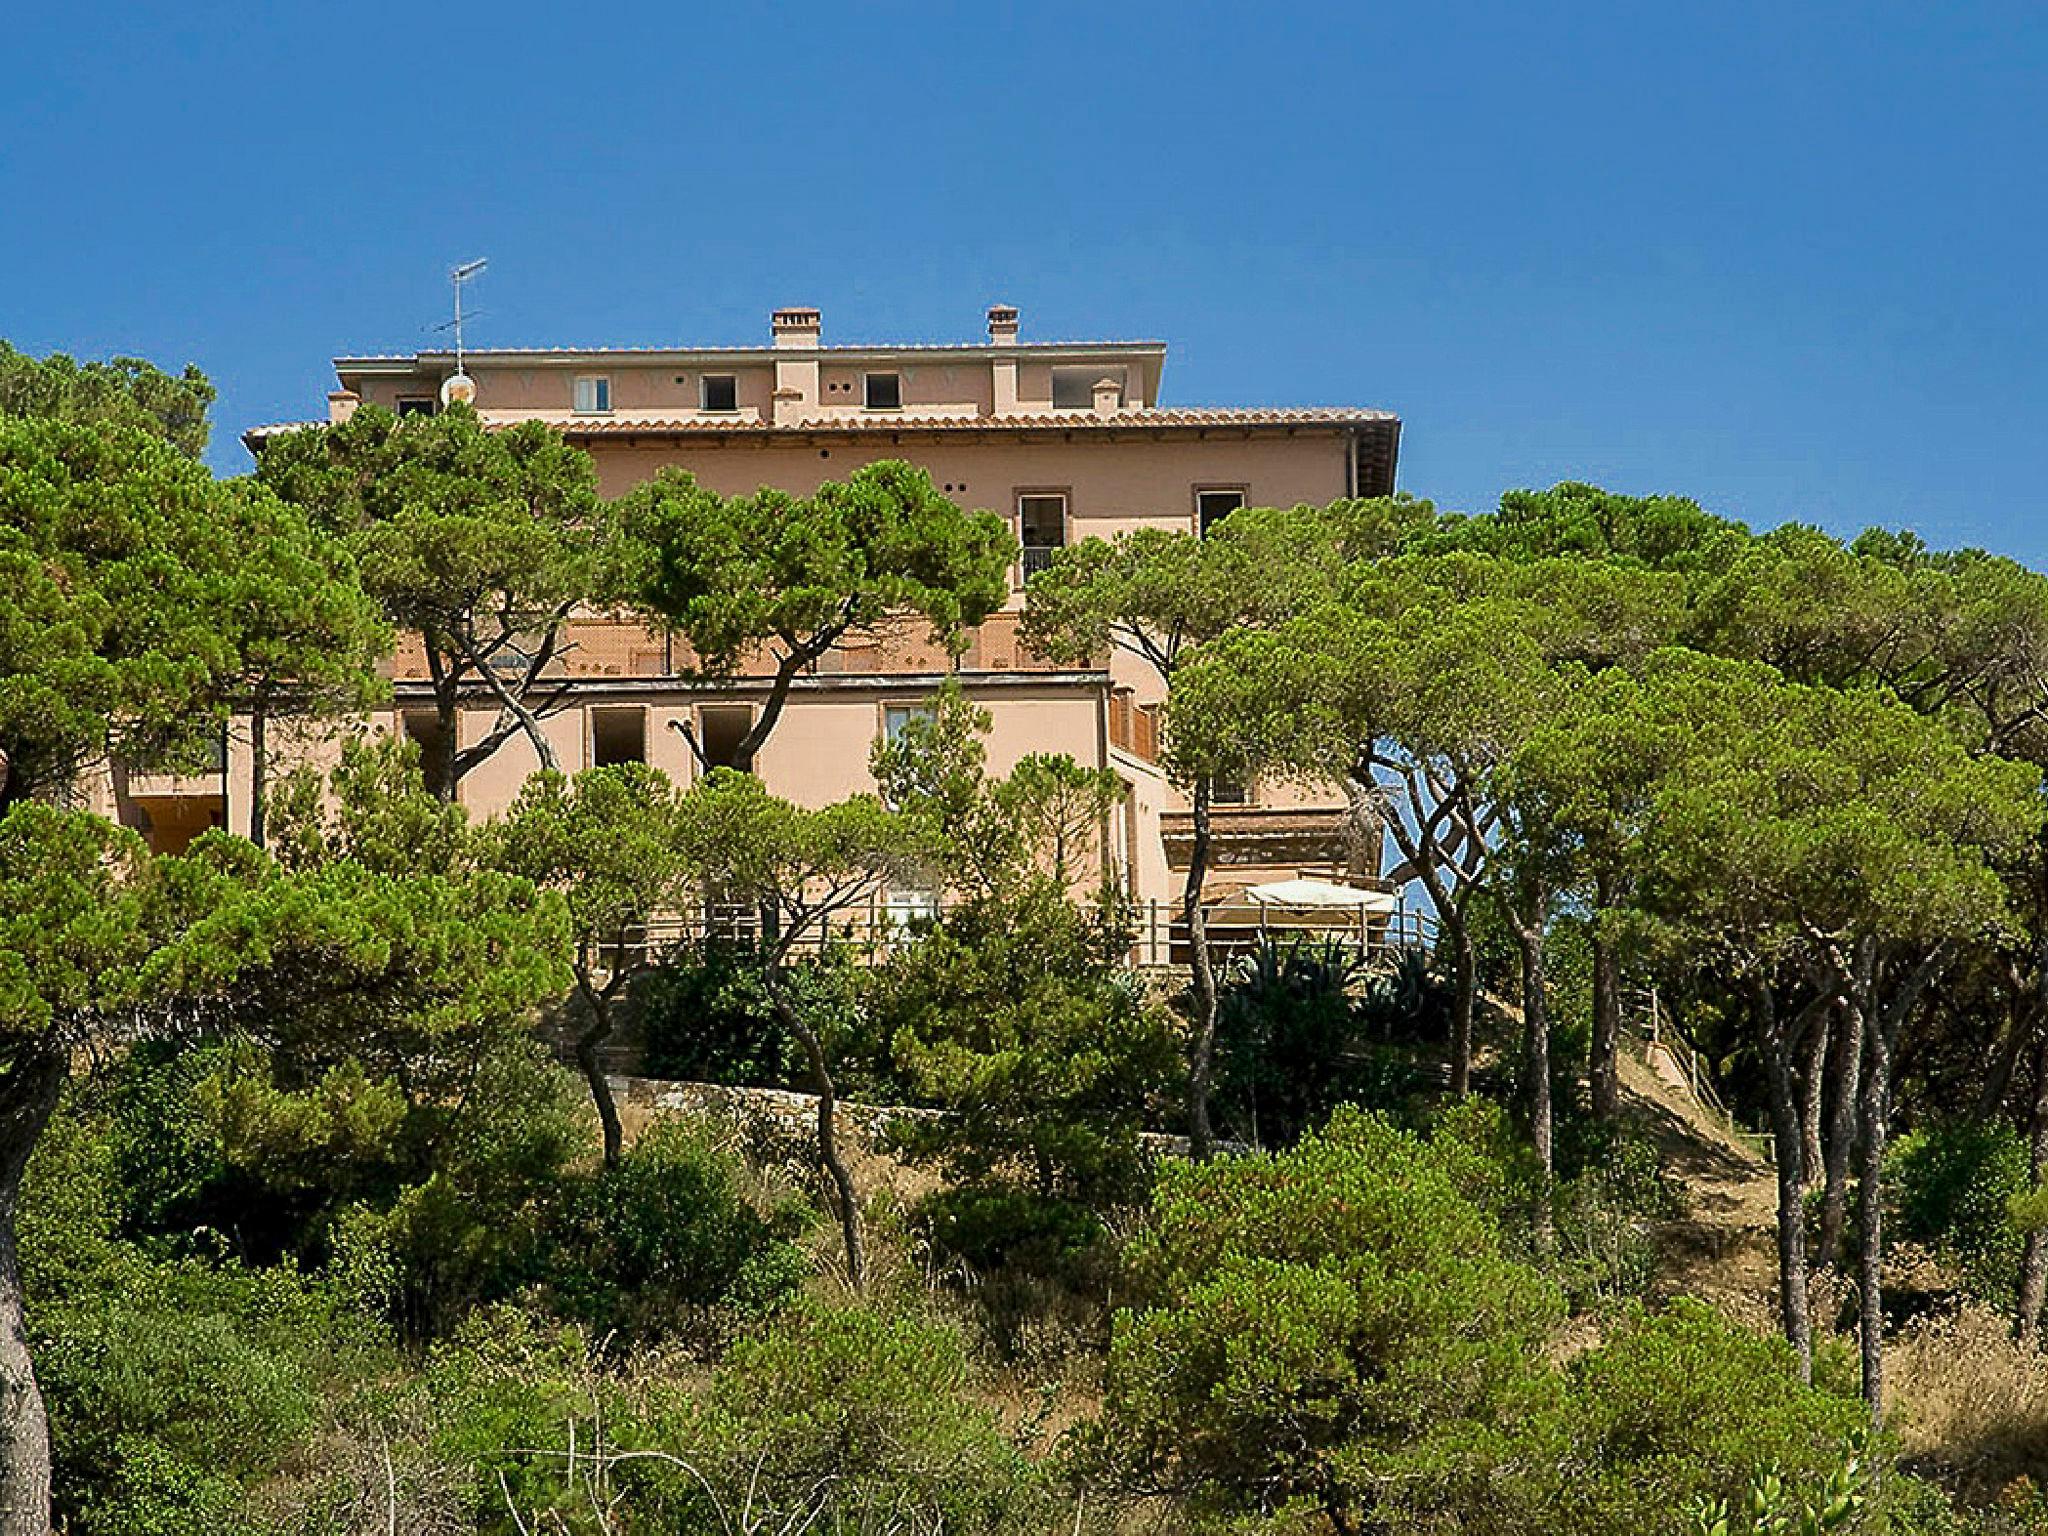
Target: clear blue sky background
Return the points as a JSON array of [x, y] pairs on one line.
[[1788, 259]]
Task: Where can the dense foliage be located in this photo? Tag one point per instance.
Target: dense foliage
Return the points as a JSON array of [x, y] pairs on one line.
[[304, 1228]]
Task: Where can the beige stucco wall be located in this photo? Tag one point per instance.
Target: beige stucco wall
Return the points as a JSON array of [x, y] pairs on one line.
[[1112, 484]]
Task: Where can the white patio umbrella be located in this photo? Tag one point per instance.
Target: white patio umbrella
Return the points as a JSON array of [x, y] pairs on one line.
[[1319, 896]]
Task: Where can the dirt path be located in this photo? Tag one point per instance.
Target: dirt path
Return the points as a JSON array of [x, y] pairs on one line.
[[1723, 1248]]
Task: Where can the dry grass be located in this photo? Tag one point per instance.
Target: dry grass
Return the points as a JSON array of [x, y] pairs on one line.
[[1969, 1402]]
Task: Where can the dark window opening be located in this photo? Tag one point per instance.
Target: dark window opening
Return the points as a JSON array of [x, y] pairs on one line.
[[1073, 389], [1041, 529], [422, 728], [883, 392], [1229, 792], [1211, 507], [719, 392], [617, 736], [415, 405], [722, 728]]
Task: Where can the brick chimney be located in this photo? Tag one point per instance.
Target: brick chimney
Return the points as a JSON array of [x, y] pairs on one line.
[[341, 404], [796, 327], [1002, 325]]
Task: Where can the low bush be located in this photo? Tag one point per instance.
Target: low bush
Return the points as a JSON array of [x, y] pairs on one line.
[[1954, 1183], [642, 1250], [705, 1019]]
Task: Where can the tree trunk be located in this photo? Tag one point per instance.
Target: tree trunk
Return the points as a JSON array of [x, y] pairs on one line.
[[1788, 1149], [1602, 1073], [438, 762], [259, 768], [1813, 1078], [1202, 981], [1536, 1065], [28, 1093], [2034, 1257], [588, 1041], [828, 1130], [1870, 1212], [1843, 1124], [1465, 984]]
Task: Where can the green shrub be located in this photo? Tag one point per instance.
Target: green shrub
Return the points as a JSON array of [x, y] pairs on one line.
[[876, 1409], [1684, 1405], [1017, 1016], [173, 1385], [643, 1248], [1317, 1325], [1038, 1271], [1301, 1027], [1955, 1184], [705, 1018]]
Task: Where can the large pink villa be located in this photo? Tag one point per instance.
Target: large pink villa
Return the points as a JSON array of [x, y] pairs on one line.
[[1067, 439]]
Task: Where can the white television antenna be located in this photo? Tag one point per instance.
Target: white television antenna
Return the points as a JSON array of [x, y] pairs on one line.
[[459, 276], [459, 385]]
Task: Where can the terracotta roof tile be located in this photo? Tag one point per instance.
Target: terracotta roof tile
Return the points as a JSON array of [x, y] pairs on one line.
[[1062, 421]]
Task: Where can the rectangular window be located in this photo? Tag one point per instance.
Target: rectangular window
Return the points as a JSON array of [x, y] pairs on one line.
[[1212, 506], [1041, 528], [908, 908], [721, 728], [882, 391], [415, 405], [1227, 792], [718, 392], [618, 736], [896, 716], [593, 394]]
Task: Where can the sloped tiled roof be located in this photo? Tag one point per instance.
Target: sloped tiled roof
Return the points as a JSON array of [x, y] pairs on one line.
[[1177, 418], [1042, 421]]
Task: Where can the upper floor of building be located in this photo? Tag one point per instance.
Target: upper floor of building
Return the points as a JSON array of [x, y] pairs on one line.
[[817, 410]]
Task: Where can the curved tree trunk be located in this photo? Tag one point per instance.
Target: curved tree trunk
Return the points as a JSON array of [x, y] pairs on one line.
[[589, 1040], [28, 1094], [1202, 981], [1813, 1079], [1788, 1150], [846, 1196], [438, 763]]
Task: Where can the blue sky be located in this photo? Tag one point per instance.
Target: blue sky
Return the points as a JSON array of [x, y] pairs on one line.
[[1791, 260]]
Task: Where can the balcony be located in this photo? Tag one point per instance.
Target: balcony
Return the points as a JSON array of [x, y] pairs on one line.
[[1037, 557]]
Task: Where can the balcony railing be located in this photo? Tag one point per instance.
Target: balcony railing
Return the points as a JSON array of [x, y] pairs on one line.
[[1038, 557], [1159, 937]]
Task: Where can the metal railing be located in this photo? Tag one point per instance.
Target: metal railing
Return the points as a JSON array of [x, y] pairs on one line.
[[1645, 1018], [1036, 558], [1159, 938]]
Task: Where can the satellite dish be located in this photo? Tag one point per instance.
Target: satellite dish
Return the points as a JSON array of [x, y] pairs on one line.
[[458, 389]]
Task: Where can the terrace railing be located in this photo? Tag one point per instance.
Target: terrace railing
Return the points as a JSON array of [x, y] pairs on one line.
[[1159, 937]]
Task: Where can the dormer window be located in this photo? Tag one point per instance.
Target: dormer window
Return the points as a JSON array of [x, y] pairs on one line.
[[718, 392], [882, 391], [593, 395], [1073, 389]]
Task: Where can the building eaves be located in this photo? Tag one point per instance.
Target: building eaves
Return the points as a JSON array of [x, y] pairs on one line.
[[1171, 417], [385, 362]]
